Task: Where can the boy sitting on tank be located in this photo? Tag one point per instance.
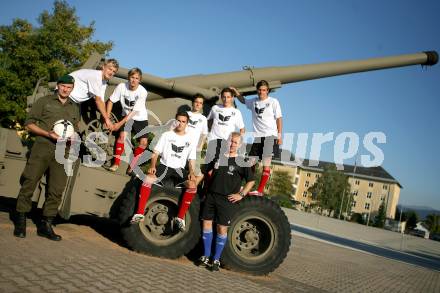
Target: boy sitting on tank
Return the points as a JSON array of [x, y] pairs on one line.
[[175, 148]]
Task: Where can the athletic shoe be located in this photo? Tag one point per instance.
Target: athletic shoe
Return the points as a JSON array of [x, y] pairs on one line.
[[215, 266], [129, 170], [203, 261], [255, 193], [180, 224], [137, 218], [113, 168]]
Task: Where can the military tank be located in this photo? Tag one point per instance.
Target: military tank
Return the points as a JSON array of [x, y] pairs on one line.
[[259, 237]]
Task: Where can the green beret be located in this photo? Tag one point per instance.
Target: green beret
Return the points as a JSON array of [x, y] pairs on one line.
[[67, 79]]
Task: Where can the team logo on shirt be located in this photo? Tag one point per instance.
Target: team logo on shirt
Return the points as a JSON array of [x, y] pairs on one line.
[[193, 123], [129, 104], [177, 150], [224, 119], [231, 170], [259, 111]]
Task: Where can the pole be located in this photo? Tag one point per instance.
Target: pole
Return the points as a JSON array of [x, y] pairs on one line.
[[340, 209], [352, 179]]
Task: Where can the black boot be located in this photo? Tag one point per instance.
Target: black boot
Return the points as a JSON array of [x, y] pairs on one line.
[[45, 229], [20, 225]]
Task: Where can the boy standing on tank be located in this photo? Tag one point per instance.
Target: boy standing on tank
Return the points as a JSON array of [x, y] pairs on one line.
[[267, 125], [132, 96], [222, 199]]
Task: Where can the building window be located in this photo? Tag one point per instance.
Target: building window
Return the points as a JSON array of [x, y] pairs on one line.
[[316, 176], [353, 204], [298, 170], [385, 187], [367, 206], [306, 184], [371, 184], [355, 193], [305, 194], [296, 180], [357, 182], [308, 174], [382, 198], [369, 194]]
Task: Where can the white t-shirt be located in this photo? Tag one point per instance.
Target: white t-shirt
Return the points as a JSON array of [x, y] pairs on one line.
[[131, 100], [197, 125], [88, 84], [175, 149], [225, 121], [264, 116]]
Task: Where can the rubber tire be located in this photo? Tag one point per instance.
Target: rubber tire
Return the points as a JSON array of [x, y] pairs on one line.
[[173, 244], [274, 233]]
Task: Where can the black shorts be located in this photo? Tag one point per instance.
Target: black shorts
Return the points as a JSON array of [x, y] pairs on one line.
[[138, 126], [217, 207], [265, 147], [164, 173], [214, 149]]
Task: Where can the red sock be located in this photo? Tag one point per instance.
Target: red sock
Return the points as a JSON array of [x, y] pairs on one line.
[[118, 152], [264, 177], [143, 197], [137, 154], [186, 202]]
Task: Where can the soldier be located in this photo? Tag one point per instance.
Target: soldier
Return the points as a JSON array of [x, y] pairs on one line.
[[221, 201], [92, 83], [132, 97], [267, 125], [40, 120], [175, 147]]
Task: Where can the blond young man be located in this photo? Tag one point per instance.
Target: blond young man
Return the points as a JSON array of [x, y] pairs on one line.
[[132, 96], [91, 84]]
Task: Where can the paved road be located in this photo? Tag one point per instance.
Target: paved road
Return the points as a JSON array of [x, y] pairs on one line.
[[90, 258]]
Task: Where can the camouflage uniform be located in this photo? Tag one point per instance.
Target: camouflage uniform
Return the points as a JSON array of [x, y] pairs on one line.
[[44, 113]]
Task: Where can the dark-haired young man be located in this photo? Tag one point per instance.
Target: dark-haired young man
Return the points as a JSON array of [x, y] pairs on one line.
[[175, 148], [267, 125]]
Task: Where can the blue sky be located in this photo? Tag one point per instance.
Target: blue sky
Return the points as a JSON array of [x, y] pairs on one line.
[[175, 38]]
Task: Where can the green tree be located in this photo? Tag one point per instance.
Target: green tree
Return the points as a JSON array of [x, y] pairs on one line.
[[379, 220], [280, 188], [57, 46], [413, 218], [330, 190], [433, 223]]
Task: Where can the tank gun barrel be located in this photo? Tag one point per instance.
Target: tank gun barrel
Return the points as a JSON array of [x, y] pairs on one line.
[[291, 74], [245, 80], [154, 82]]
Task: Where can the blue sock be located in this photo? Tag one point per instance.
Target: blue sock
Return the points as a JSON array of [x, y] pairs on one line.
[[219, 245], [207, 242]]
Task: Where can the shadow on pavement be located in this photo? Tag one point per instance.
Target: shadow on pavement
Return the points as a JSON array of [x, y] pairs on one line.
[[426, 261]]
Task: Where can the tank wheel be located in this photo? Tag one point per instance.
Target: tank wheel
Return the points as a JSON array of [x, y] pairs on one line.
[[156, 235], [259, 237]]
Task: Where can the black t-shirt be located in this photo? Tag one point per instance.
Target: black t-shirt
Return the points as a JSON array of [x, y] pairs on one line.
[[227, 175]]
